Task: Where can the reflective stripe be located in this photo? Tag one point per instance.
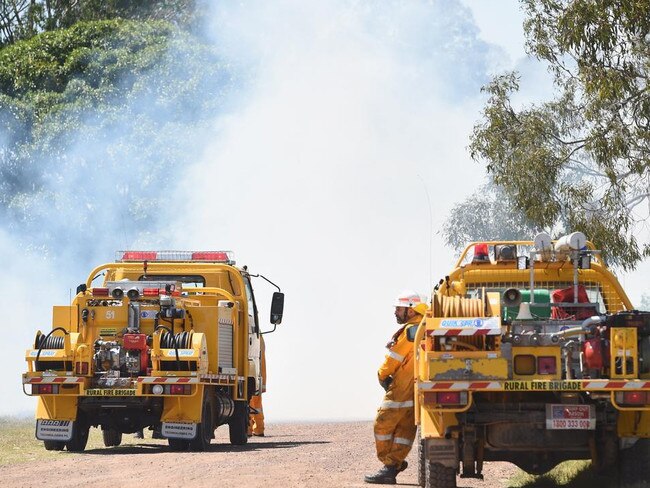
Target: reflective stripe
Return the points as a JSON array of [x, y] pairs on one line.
[[389, 404], [403, 441], [381, 437], [394, 355]]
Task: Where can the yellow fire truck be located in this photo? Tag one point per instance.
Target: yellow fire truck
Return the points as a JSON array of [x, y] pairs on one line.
[[532, 353], [168, 340]]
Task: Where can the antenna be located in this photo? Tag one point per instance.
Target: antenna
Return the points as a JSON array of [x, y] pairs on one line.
[[426, 192]]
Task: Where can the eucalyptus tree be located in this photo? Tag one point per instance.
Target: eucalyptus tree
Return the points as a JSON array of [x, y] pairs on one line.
[[579, 161]]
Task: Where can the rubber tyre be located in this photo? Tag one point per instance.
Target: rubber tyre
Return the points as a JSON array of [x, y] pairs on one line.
[[439, 476], [634, 466], [205, 430], [54, 445], [607, 450], [422, 462], [80, 431], [111, 437], [469, 460], [178, 445], [238, 424]]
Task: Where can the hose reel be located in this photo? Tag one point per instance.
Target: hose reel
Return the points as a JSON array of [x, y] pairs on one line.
[[50, 341], [180, 340], [457, 306]]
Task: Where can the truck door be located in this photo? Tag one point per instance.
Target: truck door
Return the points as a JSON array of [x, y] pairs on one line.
[[253, 336]]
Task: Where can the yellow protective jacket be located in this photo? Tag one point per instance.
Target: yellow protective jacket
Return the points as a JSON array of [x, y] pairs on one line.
[[399, 365]]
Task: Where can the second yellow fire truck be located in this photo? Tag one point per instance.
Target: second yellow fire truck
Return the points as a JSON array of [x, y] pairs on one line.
[[532, 353]]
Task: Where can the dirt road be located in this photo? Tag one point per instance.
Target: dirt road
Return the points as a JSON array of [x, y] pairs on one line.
[[321, 455]]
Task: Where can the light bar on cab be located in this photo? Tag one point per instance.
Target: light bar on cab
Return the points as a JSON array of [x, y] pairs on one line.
[[226, 257]]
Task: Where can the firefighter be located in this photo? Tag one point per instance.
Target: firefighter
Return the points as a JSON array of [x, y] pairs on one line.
[[256, 424], [395, 422]]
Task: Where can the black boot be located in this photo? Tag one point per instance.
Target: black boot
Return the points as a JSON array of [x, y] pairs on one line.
[[403, 466], [385, 476], [156, 434]]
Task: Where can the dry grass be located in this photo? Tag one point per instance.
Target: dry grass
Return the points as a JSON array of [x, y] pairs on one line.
[[569, 474], [18, 443]]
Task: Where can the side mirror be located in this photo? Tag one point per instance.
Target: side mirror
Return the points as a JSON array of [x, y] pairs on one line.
[[277, 306]]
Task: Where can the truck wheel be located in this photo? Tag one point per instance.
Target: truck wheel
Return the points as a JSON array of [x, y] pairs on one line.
[[54, 445], [238, 424], [439, 476], [79, 439], [469, 459], [205, 429], [607, 452], [111, 437], [634, 468], [178, 445], [422, 462]]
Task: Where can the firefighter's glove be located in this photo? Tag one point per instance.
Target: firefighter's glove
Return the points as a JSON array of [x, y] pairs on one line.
[[385, 384]]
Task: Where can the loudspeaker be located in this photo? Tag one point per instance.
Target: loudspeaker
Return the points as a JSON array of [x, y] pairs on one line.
[[524, 312], [511, 297]]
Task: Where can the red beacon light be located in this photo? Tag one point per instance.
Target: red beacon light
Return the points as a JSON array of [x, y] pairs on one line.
[[481, 254], [139, 256]]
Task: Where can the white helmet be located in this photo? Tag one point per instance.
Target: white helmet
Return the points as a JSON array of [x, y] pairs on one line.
[[408, 299]]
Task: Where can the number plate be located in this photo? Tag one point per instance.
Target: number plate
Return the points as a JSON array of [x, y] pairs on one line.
[[569, 417], [110, 392]]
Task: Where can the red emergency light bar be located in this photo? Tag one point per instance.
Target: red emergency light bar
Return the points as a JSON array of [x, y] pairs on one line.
[[226, 257]]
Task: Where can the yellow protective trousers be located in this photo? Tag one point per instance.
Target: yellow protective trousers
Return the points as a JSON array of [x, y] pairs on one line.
[[394, 432], [256, 425], [395, 422]]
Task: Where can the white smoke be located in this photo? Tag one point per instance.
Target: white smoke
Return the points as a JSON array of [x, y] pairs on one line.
[[320, 179], [315, 172], [29, 289]]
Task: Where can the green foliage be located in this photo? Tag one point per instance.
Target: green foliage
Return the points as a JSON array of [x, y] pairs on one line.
[[101, 111], [645, 302], [487, 215], [89, 63], [579, 161], [22, 19]]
